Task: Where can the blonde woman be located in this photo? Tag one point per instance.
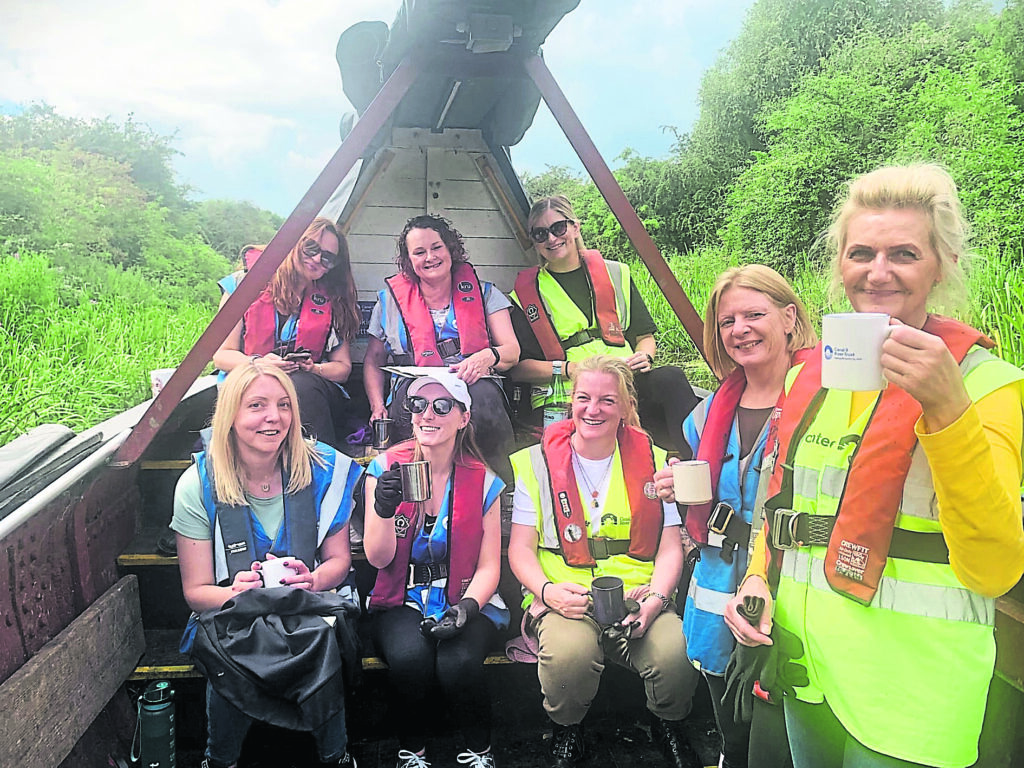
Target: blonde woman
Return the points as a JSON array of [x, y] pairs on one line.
[[261, 492], [585, 506]]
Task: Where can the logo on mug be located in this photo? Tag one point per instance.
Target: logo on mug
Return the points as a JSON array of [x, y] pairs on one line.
[[827, 351]]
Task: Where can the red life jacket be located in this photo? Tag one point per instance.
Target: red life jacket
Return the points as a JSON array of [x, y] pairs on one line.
[[605, 310], [714, 441], [260, 320], [878, 470], [465, 532], [647, 516], [470, 317]]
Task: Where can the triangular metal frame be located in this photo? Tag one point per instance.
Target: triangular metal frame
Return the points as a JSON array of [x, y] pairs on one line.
[[350, 151]]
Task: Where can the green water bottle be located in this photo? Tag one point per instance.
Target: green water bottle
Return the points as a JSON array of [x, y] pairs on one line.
[[558, 408], [154, 734]]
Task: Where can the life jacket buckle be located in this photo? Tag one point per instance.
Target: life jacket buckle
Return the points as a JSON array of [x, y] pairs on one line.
[[720, 518], [785, 524], [449, 348]]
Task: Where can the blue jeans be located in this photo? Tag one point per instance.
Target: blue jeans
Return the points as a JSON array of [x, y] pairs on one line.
[[818, 740], [227, 726]]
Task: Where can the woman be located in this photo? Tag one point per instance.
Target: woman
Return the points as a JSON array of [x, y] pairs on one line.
[[261, 484], [436, 611], [897, 513], [753, 325], [585, 506], [302, 323], [577, 305], [436, 313]]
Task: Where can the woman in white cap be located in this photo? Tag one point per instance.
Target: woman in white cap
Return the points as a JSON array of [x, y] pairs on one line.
[[435, 607]]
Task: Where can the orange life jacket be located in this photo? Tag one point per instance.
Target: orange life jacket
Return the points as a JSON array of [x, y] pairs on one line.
[[647, 517], [606, 315]]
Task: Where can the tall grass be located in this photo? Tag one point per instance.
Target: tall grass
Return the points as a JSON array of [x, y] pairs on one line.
[[80, 362], [996, 303]]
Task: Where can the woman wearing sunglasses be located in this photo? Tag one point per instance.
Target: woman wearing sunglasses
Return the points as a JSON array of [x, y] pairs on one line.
[[302, 323], [435, 608], [436, 313], [576, 305]]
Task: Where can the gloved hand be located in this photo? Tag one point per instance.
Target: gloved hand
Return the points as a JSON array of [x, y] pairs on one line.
[[388, 493], [781, 675], [745, 667], [455, 619]]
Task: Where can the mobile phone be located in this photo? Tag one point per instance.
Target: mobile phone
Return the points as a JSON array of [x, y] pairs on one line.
[[298, 357]]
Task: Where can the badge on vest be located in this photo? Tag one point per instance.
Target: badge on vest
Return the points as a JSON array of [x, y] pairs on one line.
[[468, 298], [532, 313], [465, 286], [237, 547], [401, 526], [563, 503], [427, 353], [319, 299], [851, 560], [573, 533], [650, 491], [315, 311]]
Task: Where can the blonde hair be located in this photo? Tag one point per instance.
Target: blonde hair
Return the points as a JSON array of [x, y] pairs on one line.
[[559, 204], [926, 187], [286, 285], [765, 280], [296, 453], [619, 368]]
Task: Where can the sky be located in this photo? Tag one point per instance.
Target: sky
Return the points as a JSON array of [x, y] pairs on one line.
[[250, 88]]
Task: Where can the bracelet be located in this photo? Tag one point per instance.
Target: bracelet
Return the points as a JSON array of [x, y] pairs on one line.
[[664, 600], [497, 356], [542, 600]]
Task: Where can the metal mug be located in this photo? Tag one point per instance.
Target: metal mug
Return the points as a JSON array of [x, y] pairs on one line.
[[609, 600], [416, 484], [381, 433]]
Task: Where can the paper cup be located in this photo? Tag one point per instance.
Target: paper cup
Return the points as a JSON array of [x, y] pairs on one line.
[[851, 351], [158, 378], [273, 571], [691, 481]]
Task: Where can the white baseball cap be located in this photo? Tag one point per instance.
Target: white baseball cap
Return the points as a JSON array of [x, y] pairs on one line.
[[455, 386]]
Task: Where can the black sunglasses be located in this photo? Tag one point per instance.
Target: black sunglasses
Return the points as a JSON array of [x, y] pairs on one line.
[[540, 234], [442, 405], [311, 249]]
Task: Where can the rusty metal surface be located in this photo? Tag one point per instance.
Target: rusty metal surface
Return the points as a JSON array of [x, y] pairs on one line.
[[616, 198], [259, 275]]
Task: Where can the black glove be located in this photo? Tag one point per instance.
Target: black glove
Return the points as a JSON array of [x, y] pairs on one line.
[[455, 619], [388, 493], [745, 667], [781, 675]]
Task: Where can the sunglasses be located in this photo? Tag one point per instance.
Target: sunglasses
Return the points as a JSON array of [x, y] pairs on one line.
[[442, 405], [311, 249], [540, 234]]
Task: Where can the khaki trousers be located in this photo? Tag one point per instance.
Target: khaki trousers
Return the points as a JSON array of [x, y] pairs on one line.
[[572, 658]]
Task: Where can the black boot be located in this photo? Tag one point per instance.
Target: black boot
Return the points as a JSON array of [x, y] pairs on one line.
[[669, 737], [567, 745]]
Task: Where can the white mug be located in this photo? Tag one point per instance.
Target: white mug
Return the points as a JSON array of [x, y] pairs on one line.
[[691, 481], [851, 351], [274, 570]]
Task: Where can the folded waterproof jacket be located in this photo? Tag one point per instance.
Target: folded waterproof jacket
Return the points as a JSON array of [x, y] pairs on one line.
[[272, 655]]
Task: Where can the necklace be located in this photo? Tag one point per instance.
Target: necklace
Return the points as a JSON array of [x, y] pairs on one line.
[[594, 489]]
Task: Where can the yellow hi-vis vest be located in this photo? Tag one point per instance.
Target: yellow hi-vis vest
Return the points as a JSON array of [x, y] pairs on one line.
[[569, 320], [907, 675], [532, 474]]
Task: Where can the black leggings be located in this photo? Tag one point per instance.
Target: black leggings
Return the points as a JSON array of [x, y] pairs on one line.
[[761, 743], [416, 663], [321, 405]]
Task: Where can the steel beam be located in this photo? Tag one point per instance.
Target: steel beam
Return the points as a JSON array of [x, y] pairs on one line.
[[351, 149], [613, 194]]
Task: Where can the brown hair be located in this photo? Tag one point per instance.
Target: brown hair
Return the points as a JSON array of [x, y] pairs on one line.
[[450, 236], [559, 204], [762, 279], [337, 283]]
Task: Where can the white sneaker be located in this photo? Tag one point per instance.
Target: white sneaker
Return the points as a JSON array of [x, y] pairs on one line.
[[476, 760], [407, 759]]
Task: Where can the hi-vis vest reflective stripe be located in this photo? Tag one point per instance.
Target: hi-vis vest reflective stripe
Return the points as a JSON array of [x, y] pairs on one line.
[[568, 319], [922, 630], [532, 473]]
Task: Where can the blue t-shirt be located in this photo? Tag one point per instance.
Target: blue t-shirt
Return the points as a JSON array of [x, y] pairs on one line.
[[431, 548]]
